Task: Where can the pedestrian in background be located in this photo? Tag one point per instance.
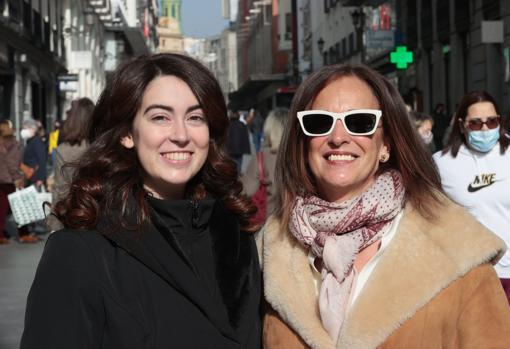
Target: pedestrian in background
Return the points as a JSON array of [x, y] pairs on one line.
[[424, 124], [475, 169], [365, 250], [273, 129], [441, 122], [73, 145], [54, 141], [157, 250], [238, 140], [10, 174], [33, 165], [255, 123]]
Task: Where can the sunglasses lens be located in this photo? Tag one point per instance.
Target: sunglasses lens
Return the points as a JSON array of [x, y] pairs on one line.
[[492, 123], [360, 122], [475, 125], [317, 124]]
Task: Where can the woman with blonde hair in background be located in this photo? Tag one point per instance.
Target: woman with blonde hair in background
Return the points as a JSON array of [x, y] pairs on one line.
[[10, 174]]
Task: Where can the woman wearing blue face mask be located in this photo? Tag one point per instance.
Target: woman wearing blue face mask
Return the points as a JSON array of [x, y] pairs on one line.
[[475, 169]]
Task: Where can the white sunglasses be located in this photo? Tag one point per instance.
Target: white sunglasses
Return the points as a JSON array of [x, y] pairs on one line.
[[358, 122]]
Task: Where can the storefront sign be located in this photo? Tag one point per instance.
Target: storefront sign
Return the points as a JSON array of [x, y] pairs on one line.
[[380, 39], [68, 82]]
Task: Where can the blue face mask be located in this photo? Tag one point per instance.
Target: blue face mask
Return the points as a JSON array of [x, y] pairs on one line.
[[483, 141]]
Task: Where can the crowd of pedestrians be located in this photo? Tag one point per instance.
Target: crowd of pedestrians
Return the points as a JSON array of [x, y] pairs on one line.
[[381, 226]]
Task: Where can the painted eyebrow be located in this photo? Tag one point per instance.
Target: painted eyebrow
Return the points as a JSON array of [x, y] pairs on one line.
[[169, 108]]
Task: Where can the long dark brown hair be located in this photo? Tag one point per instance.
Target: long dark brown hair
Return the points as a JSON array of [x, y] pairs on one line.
[[108, 185], [407, 153], [77, 124], [457, 136]]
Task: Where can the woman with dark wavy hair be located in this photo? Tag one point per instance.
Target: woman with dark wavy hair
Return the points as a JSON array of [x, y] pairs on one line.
[[157, 250], [365, 251]]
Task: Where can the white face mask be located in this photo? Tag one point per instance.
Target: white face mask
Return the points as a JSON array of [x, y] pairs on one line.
[[427, 137], [27, 133]]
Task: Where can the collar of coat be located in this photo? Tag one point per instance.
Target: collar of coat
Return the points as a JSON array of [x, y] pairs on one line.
[[423, 258], [237, 270]]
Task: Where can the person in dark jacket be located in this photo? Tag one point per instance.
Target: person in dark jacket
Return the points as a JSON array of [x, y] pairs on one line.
[[35, 156], [238, 141], [158, 250]]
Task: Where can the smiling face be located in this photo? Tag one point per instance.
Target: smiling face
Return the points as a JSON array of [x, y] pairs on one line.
[[170, 135], [344, 165]]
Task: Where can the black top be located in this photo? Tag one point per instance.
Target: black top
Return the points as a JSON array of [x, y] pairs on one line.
[[139, 290], [184, 225]]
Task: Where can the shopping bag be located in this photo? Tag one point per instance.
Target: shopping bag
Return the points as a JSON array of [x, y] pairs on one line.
[[27, 204]]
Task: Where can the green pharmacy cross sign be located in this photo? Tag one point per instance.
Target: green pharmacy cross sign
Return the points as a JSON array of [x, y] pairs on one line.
[[401, 57]]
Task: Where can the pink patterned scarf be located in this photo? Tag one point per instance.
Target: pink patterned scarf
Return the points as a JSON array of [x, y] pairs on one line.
[[337, 232]]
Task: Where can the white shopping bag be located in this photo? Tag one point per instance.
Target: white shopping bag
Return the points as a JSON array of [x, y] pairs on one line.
[[27, 204]]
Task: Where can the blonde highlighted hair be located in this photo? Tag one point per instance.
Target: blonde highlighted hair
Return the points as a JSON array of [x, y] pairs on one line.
[[274, 126]]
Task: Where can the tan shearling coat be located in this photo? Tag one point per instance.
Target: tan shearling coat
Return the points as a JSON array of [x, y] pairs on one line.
[[434, 287]]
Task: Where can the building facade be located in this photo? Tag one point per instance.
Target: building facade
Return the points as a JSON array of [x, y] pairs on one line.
[[170, 27], [267, 72], [32, 55]]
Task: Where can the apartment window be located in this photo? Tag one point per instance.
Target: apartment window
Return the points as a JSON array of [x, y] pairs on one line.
[[351, 43], [326, 5], [288, 26]]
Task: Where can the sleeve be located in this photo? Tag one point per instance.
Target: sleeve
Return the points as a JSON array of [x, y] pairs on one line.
[[485, 318], [13, 162], [250, 177], [64, 306], [29, 156], [61, 182]]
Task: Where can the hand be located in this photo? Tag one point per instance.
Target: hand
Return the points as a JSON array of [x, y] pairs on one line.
[[19, 183]]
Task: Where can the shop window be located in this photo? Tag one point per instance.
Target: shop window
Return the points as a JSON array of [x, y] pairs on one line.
[[443, 21], [462, 16], [426, 24], [490, 9]]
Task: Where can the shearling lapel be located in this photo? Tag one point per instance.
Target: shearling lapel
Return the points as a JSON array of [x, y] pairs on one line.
[[422, 259], [289, 287]]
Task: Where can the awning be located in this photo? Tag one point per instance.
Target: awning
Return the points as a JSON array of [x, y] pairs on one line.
[[246, 96], [134, 37]]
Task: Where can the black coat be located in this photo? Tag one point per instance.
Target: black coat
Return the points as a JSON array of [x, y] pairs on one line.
[[238, 140], [124, 291]]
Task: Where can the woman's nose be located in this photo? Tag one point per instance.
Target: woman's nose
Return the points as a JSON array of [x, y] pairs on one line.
[[339, 134], [179, 132]]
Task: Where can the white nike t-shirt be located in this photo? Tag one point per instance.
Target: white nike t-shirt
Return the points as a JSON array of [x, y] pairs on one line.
[[481, 183]]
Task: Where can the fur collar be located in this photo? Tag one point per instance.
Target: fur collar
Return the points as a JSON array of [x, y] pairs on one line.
[[423, 258]]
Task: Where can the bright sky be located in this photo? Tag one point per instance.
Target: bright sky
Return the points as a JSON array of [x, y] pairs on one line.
[[202, 18]]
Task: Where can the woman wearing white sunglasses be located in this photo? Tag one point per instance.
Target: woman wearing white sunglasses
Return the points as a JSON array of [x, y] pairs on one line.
[[365, 250]]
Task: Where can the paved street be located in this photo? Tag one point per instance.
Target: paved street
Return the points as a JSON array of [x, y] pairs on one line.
[[17, 268]]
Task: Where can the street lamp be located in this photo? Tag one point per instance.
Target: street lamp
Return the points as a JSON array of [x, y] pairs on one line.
[[358, 21]]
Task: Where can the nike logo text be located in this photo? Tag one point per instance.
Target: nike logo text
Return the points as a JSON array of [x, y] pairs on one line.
[[481, 181]]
